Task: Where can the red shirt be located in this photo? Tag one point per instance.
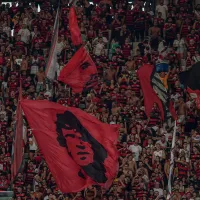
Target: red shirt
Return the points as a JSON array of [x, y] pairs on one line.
[[21, 45], [40, 41], [12, 85], [192, 50], [126, 49], [129, 18], [160, 22], [170, 30], [185, 30]]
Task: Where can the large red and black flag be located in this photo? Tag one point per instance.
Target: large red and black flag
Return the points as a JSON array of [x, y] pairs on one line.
[[155, 92], [191, 80], [80, 73], [18, 144], [78, 148], [74, 28]]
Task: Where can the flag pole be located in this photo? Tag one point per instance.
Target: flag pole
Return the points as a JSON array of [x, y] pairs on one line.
[[50, 70], [171, 163]]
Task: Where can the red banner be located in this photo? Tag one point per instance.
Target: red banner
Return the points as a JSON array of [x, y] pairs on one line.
[[78, 148], [150, 97], [80, 72], [18, 145], [74, 29]]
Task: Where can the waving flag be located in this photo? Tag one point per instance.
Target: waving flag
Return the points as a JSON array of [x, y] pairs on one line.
[[150, 97], [18, 143], [191, 80], [74, 29], [52, 60], [155, 92], [78, 148], [80, 73], [162, 93]]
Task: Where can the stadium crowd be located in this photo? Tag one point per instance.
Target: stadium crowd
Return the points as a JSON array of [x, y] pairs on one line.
[[120, 37]]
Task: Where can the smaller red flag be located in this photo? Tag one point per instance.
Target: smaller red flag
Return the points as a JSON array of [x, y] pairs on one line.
[[80, 72], [150, 97], [18, 140], [74, 29]]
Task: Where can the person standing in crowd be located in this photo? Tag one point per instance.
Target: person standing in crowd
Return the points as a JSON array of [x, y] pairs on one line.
[[163, 9]]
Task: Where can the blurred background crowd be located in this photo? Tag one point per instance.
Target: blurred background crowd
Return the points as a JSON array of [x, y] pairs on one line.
[[120, 36]]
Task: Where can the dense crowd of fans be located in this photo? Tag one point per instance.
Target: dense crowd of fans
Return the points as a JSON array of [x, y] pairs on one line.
[[120, 37]]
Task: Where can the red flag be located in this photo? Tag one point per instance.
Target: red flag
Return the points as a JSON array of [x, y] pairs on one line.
[[74, 29], [155, 92], [78, 148], [150, 97], [18, 139], [80, 72]]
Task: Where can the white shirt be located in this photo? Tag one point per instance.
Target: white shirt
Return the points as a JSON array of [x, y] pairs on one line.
[[159, 190], [175, 97], [163, 9], [34, 69], [158, 153], [99, 47], [96, 40], [7, 30], [25, 20], [46, 197], [33, 34], [25, 35], [135, 149], [163, 145], [59, 47], [59, 68], [33, 146], [180, 44], [189, 103], [166, 2]]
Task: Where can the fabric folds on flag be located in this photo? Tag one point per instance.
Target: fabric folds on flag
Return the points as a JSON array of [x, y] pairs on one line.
[[162, 93], [18, 144], [80, 73], [155, 92], [150, 97], [52, 59], [78, 148], [74, 28], [191, 80]]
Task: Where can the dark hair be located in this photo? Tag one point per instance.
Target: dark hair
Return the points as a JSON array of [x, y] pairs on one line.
[[96, 169]]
